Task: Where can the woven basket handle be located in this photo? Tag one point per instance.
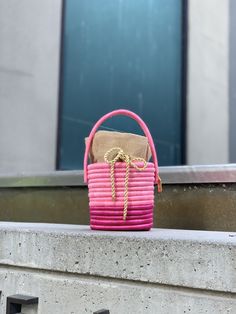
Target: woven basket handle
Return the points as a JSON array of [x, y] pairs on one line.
[[132, 116]]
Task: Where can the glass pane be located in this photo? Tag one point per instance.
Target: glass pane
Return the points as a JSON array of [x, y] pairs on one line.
[[121, 54]]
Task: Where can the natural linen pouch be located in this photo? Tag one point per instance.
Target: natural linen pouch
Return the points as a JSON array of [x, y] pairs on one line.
[[132, 144]]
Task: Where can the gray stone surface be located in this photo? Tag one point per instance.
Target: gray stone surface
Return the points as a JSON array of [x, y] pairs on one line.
[[197, 259], [208, 112], [67, 294], [75, 270], [29, 70]]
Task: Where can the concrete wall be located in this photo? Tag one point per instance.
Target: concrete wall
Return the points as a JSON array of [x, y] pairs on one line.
[[29, 75], [208, 82], [75, 270], [232, 77], [29, 69]]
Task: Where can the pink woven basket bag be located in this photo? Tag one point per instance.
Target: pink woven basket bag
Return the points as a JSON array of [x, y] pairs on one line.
[[121, 193]]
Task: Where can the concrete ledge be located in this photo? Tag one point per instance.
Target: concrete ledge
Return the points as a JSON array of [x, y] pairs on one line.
[[61, 293], [170, 175], [194, 259], [192, 207]]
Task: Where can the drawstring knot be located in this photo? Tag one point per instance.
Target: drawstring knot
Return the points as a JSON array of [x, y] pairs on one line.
[[111, 157]]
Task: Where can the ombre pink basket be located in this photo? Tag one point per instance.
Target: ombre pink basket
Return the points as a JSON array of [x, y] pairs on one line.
[[107, 213]]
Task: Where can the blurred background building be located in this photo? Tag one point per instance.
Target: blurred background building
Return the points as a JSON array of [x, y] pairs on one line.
[[65, 63]]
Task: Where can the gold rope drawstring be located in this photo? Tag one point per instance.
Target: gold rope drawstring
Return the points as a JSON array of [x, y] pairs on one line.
[[117, 154]]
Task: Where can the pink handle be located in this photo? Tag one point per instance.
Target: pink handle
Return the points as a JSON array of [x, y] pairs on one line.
[[132, 116]]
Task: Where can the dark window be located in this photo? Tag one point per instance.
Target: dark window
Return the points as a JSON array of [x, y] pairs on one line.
[[121, 54]]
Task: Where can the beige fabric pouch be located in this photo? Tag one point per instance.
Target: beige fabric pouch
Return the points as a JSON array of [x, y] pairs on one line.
[[132, 144]]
